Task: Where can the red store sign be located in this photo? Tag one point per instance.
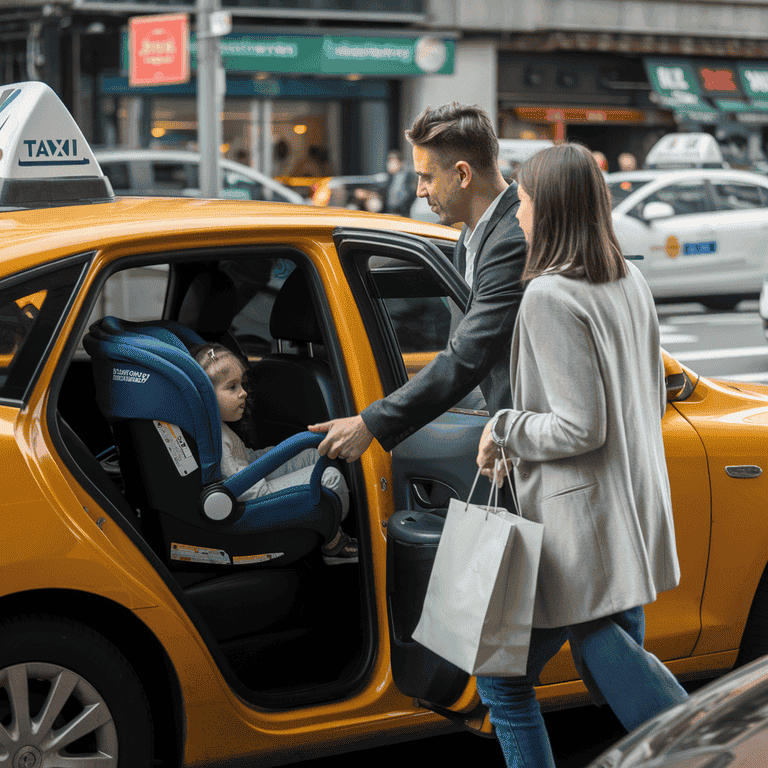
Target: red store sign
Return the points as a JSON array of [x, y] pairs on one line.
[[159, 49]]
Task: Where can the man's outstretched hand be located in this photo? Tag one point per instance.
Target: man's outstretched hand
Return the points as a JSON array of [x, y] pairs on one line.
[[347, 439]]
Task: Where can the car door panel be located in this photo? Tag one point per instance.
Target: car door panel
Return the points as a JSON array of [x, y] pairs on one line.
[[400, 282]]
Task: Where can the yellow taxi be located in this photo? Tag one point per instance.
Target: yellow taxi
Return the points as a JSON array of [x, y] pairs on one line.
[[140, 617]]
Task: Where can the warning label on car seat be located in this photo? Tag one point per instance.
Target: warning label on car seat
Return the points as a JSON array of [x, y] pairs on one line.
[[177, 447], [253, 559], [189, 553]]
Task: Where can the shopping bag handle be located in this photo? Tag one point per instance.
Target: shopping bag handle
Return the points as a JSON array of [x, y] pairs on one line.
[[512, 490], [493, 496]]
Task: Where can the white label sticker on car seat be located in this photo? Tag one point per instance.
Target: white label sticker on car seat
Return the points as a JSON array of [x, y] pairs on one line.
[[189, 553], [253, 559], [177, 447]]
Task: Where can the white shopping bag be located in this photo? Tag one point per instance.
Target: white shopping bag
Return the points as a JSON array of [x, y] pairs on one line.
[[478, 608]]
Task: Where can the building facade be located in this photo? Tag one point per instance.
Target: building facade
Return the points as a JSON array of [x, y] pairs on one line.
[[316, 87]]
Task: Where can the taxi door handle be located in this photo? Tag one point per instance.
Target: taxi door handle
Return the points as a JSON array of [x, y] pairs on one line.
[[432, 494]]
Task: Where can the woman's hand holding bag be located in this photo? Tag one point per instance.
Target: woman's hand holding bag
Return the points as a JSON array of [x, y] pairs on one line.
[[479, 605]]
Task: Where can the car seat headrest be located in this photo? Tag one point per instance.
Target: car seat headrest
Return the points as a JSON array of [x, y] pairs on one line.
[[293, 314], [210, 304]]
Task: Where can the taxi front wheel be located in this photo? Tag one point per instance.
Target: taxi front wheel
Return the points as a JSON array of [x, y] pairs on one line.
[[68, 695]]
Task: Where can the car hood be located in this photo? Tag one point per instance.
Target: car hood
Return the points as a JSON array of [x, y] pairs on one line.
[[723, 724]]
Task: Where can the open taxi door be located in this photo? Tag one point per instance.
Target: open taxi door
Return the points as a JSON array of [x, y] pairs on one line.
[[411, 297]]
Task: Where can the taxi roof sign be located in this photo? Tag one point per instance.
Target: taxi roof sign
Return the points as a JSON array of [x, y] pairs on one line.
[[685, 150], [45, 160]]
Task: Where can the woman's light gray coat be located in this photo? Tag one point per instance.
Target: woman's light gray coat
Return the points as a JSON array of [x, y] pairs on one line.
[[588, 393]]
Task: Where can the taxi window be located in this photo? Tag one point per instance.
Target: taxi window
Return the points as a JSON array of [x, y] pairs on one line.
[[258, 282], [422, 316], [621, 190], [738, 196], [686, 197], [30, 313]]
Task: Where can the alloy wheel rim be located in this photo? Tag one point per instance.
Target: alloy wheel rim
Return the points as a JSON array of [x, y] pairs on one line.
[[48, 711]]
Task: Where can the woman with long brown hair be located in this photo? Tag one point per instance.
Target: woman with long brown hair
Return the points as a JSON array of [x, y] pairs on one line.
[[585, 440]]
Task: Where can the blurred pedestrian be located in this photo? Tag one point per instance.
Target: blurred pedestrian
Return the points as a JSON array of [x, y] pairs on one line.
[[601, 160], [400, 192], [588, 455], [281, 152], [455, 155], [314, 164], [627, 162]]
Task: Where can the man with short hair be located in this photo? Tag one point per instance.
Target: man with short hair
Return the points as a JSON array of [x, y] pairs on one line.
[[455, 155]]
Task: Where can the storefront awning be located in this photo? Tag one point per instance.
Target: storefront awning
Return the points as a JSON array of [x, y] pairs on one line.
[[703, 91]]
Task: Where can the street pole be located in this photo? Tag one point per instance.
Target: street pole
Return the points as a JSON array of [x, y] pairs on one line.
[[211, 85]]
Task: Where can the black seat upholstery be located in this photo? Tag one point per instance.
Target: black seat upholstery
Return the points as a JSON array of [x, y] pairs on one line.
[[293, 389], [208, 308]]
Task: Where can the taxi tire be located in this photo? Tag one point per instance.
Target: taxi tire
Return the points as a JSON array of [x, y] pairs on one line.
[[40, 647]]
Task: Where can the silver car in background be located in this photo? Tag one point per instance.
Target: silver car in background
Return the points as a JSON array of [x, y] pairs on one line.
[[723, 725], [176, 173]]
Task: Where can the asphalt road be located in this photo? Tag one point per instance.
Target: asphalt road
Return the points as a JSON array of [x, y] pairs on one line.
[[728, 345]]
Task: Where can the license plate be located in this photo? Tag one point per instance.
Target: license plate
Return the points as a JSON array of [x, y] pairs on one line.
[[696, 249]]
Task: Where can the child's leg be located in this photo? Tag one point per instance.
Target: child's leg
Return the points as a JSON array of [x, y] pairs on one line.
[[341, 548], [298, 470]]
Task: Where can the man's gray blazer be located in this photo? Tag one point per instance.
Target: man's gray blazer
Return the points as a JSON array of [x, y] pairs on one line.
[[478, 352]]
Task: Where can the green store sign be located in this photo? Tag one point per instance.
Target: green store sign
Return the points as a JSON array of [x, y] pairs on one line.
[[674, 80], [754, 81], [331, 55]]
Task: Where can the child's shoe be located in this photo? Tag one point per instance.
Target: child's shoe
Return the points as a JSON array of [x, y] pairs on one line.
[[343, 550]]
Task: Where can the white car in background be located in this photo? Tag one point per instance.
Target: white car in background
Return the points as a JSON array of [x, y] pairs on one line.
[[702, 233], [176, 173]]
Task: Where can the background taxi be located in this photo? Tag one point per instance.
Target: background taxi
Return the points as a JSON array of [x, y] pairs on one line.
[[702, 233], [137, 621]]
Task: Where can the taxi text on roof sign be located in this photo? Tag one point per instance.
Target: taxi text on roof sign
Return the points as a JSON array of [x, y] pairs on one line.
[[44, 157]]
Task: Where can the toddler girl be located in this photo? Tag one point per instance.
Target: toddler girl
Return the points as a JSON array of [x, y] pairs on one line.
[[226, 372]]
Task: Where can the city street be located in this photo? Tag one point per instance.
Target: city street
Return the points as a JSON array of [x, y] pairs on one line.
[[727, 345]]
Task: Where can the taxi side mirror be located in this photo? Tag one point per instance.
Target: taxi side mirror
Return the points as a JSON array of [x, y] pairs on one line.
[[678, 384], [657, 210]]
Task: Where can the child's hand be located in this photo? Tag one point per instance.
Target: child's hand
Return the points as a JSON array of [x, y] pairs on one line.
[[345, 439]]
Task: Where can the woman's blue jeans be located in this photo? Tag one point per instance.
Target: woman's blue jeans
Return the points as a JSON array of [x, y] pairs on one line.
[[634, 682]]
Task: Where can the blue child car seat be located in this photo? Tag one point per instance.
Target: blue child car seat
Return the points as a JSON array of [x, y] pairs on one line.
[[162, 409]]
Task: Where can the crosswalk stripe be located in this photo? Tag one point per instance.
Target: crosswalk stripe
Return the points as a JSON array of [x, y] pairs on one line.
[[714, 354]]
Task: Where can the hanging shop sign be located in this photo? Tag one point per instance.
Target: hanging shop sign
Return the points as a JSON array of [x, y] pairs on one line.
[[754, 81], [702, 90], [158, 49], [675, 82], [335, 55]]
